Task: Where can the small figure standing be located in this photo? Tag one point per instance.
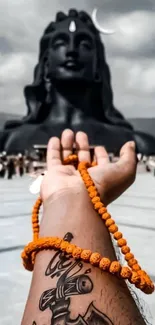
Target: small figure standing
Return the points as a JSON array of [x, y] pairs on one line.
[[3, 164], [27, 165], [21, 164], [10, 168]]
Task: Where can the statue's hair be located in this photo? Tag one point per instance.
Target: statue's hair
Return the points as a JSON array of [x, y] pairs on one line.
[[102, 92]]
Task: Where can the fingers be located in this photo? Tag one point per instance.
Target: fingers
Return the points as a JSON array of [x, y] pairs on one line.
[[67, 141], [101, 155], [54, 148], [127, 161], [53, 153], [66, 144], [82, 146]]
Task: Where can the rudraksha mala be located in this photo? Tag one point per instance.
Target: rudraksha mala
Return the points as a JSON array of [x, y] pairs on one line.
[[133, 272]]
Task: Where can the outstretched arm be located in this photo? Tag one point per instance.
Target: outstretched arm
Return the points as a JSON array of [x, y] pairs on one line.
[[64, 290]]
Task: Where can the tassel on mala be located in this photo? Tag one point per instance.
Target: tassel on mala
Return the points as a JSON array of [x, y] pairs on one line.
[[133, 272]]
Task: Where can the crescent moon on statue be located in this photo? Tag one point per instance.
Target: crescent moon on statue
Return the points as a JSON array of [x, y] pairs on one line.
[[100, 29]]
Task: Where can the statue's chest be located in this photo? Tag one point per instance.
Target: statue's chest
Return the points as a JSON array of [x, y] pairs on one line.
[[66, 114]]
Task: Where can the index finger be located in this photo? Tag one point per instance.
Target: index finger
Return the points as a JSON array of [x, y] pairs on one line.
[[53, 153]]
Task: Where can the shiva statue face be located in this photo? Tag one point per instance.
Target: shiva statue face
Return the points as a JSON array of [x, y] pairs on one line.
[[71, 53]]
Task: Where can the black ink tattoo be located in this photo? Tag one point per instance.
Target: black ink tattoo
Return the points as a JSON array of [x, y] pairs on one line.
[[62, 261], [70, 283]]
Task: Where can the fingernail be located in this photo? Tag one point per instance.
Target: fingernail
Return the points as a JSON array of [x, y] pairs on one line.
[[132, 144]]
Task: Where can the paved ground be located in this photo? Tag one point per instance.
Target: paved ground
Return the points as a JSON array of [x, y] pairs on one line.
[[134, 212]]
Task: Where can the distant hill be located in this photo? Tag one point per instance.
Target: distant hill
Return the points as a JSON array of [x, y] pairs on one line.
[[146, 125], [140, 124]]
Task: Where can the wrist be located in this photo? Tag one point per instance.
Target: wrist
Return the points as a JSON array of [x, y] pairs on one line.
[[63, 207], [64, 194], [72, 211]]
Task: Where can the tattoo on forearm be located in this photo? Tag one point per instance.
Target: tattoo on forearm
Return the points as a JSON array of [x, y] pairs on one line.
[[71, 281]]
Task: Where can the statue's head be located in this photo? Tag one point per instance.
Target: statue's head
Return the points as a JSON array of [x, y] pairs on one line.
[[71, 49]]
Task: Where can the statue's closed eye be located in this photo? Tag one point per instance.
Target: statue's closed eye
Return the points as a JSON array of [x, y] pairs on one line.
[[60, 40], [86, 44], [84, 40], [58, 43]]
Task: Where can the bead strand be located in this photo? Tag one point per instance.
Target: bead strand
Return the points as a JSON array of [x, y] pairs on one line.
[[35, 221], [94, 258], [109, 222], [106, 217]]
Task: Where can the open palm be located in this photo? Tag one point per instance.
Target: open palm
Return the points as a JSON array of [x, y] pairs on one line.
[[111, 179]]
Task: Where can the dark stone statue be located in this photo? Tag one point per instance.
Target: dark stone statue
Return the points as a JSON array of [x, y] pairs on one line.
[[72, 89]]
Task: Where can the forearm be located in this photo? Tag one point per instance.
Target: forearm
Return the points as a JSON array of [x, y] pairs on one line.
[[105, 296], [72, 212]]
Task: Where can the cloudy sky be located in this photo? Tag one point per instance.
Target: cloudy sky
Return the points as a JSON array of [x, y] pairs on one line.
[[130, 51]]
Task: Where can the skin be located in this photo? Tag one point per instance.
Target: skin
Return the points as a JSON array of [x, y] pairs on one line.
[[67, 208], [61, 177]]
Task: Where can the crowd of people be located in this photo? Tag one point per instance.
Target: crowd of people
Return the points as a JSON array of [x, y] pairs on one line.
[[13, 165]]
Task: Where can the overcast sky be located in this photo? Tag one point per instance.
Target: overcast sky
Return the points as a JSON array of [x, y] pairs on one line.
[[130, 51]]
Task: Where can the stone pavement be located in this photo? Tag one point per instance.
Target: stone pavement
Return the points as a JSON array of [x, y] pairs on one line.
[[134, 212]]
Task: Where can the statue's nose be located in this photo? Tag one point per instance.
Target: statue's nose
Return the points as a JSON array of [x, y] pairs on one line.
[[72, 50]]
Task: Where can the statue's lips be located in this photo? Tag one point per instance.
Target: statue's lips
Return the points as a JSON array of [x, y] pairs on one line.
[[72, 65]]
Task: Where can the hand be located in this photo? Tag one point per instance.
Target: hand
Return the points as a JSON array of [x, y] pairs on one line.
[[111, 179]]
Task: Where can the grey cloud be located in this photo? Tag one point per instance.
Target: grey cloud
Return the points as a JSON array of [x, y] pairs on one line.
[[121, 6], [129, 53], [5, 46]]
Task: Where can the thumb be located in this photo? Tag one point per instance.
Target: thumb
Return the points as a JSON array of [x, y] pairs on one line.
[[128, 159], [128, 148]]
